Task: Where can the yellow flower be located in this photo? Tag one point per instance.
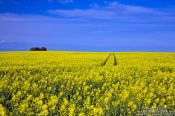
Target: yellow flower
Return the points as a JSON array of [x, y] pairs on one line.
[[19, 93], [29, 97], [60, 94], [157, 100], [40, 102], [43, 113], [71, 109], [130, 103], [2, 110], [41, 96], [87, 101], [81, 114], [44, 107], [97, 111], [65, 101], [23, 106], [53, 100], [125, 95], [115, 103]]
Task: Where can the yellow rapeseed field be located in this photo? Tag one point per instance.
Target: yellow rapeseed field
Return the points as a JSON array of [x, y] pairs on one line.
[[85, 83]]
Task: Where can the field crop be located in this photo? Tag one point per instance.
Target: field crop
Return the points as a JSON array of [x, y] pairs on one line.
[[85, 83]]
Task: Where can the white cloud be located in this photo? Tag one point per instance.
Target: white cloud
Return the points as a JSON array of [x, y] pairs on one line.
[[88, 13], [62, 1], [130, 8], [113, 10], [2, 41]]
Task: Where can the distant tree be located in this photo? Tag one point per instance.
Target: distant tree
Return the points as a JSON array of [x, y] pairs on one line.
[[43, 49], [32, 49], [38, 49]]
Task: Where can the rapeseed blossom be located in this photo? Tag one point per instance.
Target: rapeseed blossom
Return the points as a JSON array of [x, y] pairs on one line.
[[71, 83]]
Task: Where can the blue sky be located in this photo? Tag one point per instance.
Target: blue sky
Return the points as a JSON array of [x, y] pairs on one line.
[[88, 25]]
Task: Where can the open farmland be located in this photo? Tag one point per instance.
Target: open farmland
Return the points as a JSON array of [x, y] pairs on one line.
[[85, 83]]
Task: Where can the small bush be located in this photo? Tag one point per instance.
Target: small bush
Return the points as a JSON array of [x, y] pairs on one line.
[[38, 49]]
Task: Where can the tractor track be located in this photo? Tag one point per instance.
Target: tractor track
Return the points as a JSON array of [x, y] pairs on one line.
[[106, 60], [115, 59], [104, 63]]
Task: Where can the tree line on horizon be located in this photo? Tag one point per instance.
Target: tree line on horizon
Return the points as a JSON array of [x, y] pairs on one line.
[[38, 49]]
